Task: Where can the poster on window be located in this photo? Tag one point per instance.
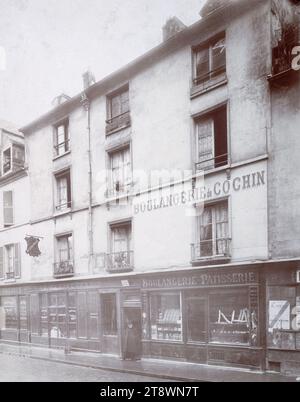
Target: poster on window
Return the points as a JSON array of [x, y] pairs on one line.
[[279, 315]]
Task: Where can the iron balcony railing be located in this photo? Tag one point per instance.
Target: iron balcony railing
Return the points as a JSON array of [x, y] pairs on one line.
[[63, 207], [62, 148], [118, 122], [118, 189], [201, 79], [212, 163], [212, 249], [10, 275], [63, 269], [120, 262]]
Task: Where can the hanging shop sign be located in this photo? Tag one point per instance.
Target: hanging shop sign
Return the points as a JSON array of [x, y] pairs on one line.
[[33, 246]]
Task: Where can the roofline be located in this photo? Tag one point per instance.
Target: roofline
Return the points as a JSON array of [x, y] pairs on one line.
[[124, 74]]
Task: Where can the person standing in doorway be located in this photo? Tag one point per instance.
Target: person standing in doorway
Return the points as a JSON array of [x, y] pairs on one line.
[[132, 341]]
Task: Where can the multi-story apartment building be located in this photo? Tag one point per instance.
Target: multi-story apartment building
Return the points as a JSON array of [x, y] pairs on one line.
[[190, 256], [14, 223]]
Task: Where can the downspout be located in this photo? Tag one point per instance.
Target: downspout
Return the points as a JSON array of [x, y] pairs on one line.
[[87, 106]]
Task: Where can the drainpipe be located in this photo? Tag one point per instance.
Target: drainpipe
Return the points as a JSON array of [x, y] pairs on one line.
[[86, 104]]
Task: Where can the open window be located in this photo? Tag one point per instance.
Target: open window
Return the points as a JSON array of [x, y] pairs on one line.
[[121, 171], [61, 138], [211, 140], [63, 190], [118, 111], [8, 209], [10, 262]]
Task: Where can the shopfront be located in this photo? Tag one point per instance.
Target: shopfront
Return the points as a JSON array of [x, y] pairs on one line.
[[87, 315], [283, 318], [206, 317]]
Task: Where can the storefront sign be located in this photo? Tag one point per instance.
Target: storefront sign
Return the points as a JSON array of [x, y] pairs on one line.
[[202, 280], [201, 193]]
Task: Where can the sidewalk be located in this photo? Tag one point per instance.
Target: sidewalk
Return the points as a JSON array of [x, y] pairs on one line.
[[169, 370]]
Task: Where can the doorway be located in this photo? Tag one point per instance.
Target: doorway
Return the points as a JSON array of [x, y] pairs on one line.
[[132, 333]]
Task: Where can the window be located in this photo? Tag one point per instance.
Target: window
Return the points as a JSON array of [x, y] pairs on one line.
[[211, 138], [9, 305], [61, 138], [44, 314], [64, 265], [166, 317], [120, 257], [118, 115], [209, 60], [8, 210], [72, 316], [109, 314], [230, 320], [120, 167], [23, 312], [284, 317], [64, 197], [10, 262], [7, 161], [214, 232]]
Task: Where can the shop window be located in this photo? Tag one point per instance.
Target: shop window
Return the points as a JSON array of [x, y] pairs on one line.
[[197, 319], [230, 319], [93, 315], [34, 314], [63, 187], [72, 315], [82, 315], [212, 143], [284, 318], [8, 209], [121, 173], [61, 138], [9, 305], [209, 60], [109, 314], [57, 315], [166, 317], [23, 313], [44, 314]]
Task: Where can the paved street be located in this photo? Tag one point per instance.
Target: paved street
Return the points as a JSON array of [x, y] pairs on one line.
[[22, 369]]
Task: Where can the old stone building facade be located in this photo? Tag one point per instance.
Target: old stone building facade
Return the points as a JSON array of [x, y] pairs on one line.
[[192, 256]]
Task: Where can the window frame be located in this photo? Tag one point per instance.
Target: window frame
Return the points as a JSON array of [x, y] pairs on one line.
[[9, 148], [62, 208], [70, 250], [16, 262], [67, 138], [11, 207], [208, 45], [109, 99], [125, 186]]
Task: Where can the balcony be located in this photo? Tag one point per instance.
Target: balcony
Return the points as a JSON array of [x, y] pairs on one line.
[[214, 251], [212, 163], [119, 262], [63, 269], [209, 81], [10, 276], [118, 123], [64, 207]]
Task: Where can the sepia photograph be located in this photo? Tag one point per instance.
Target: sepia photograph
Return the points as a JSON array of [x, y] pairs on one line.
[[149, 193]]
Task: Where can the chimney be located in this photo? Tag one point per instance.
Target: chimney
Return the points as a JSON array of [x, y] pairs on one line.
[[172, 27], [88, 79]]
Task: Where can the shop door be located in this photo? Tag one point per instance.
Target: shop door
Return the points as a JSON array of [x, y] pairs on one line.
[[197, 319], [57, 320], [132, 333], [109, 323]]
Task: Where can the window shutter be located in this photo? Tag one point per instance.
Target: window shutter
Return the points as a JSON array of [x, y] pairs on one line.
[[17, 260], [1, 263], [206, 146], [8, 208]]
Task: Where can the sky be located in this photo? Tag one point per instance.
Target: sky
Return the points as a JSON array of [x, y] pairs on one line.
[[46, 45]]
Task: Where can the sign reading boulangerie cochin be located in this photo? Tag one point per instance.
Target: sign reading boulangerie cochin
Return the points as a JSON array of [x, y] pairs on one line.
[[187, 195]]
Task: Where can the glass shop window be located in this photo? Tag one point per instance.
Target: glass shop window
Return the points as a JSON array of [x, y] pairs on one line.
[[72, 316], [23, 313], [9, 306], [44, 314], [284, 318], [166, 317], [230, 318], [197, 318], [93, 322], [109, 314]]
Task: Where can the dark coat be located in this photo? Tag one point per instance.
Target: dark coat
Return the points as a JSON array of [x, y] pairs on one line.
[[133, 341]]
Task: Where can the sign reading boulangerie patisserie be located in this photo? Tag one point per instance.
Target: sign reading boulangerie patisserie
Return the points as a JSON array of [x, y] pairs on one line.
[[203, 280]]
